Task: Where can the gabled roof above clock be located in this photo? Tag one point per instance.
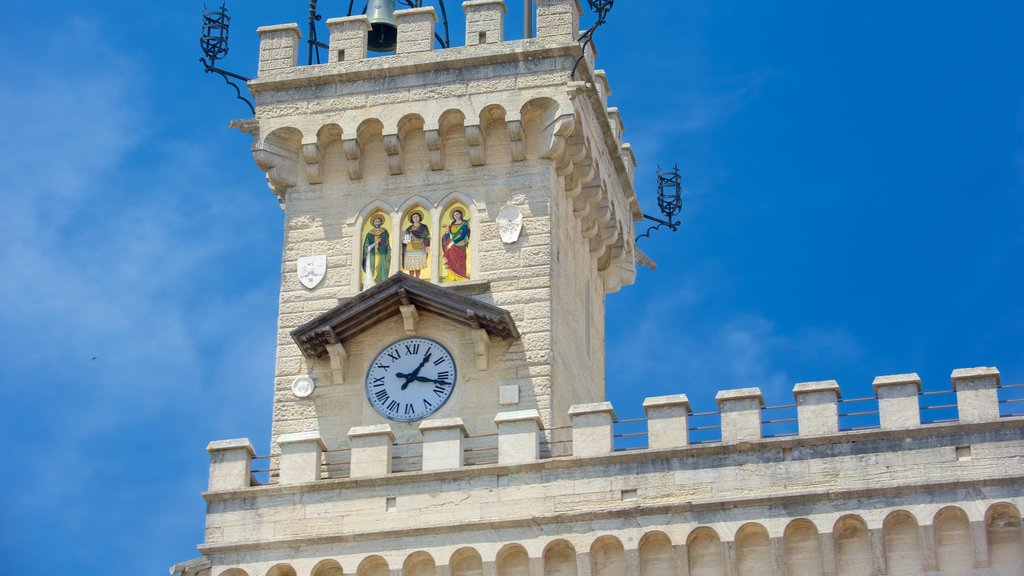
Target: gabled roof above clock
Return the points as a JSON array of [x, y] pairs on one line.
[[376, 304]]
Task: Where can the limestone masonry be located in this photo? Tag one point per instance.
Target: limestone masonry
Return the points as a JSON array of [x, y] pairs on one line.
[[520, 469]]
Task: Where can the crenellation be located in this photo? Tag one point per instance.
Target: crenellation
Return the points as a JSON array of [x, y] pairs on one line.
[[558, 19], [279, 47], [416, 29], [817, 407], [485, 21], [347, 38], [741, 414], [898, 405], [976, 393]]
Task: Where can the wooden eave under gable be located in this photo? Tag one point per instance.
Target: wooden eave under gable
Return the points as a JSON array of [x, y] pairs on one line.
[[372, 306]]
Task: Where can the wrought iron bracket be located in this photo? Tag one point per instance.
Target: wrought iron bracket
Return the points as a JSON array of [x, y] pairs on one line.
[[214, 43], [670, 201], [601, 8]]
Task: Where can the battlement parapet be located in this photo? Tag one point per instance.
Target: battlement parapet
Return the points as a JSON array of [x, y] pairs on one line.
[[836, 471], [520, 438]]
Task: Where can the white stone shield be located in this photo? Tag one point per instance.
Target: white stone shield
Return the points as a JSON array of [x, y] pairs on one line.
[[510, 223], [311, 270]]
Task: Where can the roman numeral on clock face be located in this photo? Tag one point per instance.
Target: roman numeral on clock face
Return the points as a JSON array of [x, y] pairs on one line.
[[412, 348], [382, 396], [395, 355], [443, 375]]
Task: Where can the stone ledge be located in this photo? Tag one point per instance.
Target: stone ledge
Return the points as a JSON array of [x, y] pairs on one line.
[[293, 27], [739, 394], [896, 380], [820, 386], [297, 437], [443, 424], [374, 430], [979, 372], [517, 416], [592, 408], [218, 445], [671, 400]]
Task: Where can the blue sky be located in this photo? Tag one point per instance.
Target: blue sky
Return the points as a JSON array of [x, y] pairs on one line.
[[853, 207]]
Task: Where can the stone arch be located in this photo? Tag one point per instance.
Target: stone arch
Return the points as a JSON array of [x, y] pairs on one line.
[[853, 546], [560, 559], [953, 547], [419, 564], [281, 570], [373, 163], [705, 555], [373, 566], [1005, 539], [656, 557], [466, 562], [902, 544], [453, 148], [417, 255], [327, 567], [278, 155], [753, 551], [329, 157], [410, 130], [328, 133], [802, 548], [608, 557], [512, 560], [539, 118], [497, 144]]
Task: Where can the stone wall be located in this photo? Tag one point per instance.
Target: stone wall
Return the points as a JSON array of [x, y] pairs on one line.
[[931, 498]]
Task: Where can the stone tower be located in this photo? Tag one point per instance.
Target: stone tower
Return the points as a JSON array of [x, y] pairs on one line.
[[453, 220], [489, 126]]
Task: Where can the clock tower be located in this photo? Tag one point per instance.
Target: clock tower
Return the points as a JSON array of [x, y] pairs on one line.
[[452, 222]]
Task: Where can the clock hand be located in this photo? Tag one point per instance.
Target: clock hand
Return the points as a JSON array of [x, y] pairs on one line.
[[432, 380], [414, 374]]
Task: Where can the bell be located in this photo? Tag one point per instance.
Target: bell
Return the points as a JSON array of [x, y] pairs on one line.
[[383, 35]]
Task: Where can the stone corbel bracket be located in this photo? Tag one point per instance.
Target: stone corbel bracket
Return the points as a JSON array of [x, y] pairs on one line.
[[517, 145], [353, 150], [279, 166], [311, 155], [476, 140], [435, 148], [393, 148], [339, 358]]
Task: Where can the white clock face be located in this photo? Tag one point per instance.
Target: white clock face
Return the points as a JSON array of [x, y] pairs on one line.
[[410, 379]]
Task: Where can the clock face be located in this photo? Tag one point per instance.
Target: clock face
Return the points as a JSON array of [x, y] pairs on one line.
[[410, 379]]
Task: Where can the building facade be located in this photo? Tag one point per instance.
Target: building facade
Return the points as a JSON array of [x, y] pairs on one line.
[[453, 221]]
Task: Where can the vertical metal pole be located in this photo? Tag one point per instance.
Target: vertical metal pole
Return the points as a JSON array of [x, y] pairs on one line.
[[527, 18]]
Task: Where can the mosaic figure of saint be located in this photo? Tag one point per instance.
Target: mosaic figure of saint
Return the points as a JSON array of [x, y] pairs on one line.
[[415, 245], [455, 247], [376, 253]]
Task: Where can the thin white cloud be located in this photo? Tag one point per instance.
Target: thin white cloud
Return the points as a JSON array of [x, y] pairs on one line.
[[692, 357]]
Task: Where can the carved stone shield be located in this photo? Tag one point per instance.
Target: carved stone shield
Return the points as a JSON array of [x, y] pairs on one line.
[[311, 270], [510, 223]]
